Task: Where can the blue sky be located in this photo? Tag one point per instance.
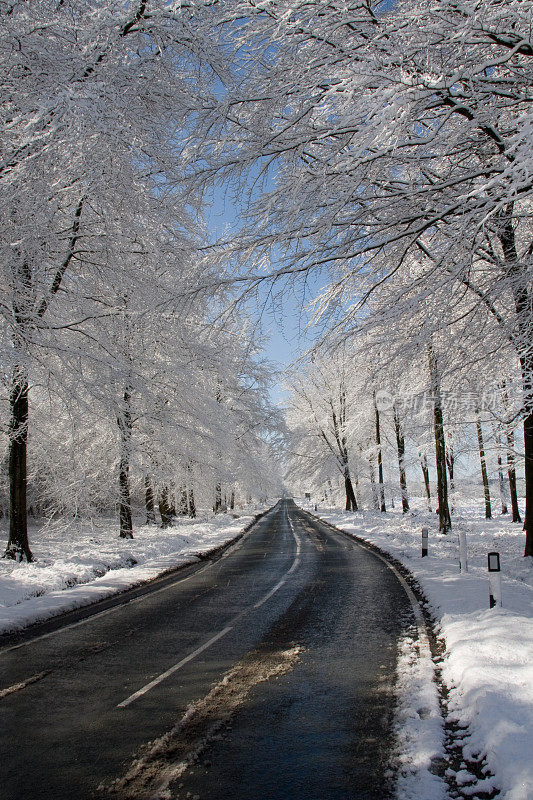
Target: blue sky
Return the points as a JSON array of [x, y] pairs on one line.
[[283, 319]]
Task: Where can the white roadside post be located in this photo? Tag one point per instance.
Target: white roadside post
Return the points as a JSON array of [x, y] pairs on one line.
[[495, 580], [463, 560], [424, 542]]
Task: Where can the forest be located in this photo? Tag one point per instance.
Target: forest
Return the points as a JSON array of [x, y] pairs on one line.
[[381, 151]]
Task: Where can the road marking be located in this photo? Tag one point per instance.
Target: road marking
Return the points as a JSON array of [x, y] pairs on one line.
[[229, 627], [295, 563], [415, 605], [298, 548], [177, 666], [424, 647]]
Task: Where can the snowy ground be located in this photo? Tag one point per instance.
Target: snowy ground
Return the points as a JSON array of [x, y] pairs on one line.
[[87, 561], [488, 663]]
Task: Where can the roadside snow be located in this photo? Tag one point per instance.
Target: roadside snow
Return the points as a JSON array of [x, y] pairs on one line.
[[419, 728], [85, 562], [488, 663]]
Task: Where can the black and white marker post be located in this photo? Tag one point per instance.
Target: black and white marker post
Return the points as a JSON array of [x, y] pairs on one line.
[[495, 580], [424, 542]]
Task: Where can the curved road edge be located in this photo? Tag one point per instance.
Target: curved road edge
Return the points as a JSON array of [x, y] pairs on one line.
[[426, 622], [65, 619], [454, 758]]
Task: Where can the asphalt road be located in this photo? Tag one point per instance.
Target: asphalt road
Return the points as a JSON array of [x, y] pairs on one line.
[[286, 647]]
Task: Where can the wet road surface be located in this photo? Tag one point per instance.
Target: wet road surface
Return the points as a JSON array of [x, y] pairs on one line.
[[287, 647]]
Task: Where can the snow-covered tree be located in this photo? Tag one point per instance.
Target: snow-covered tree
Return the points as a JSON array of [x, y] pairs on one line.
[[95, 99], [389, 133], [319, 419]]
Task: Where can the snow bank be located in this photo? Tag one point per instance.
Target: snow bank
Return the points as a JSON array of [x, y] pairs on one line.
[[85, 562], [419, 726], [488, 663]]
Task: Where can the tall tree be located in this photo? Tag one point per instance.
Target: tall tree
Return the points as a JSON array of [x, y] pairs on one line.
[[400, 443], [445, 523], [483, 462], [382, 506]]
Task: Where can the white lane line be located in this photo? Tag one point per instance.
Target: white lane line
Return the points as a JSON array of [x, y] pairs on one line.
[[177, 666], [290, 571], [220, 634], [415, 605], [424, 647], [269, 594], [298, 547]]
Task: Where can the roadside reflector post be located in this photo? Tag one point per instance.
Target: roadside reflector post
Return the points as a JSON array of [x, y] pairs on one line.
[[495, 580], [424, 542], [463, 560]]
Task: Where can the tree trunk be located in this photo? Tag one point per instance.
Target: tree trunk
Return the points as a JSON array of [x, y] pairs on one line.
[[511, 472], [382, 505], [450, 462], [125, 427], [126, 525], [523, 301], [218, 499], [172, 500], [445, 523], [528, 473], [351, 502], [164, 508], [511, 469], [149, 500], [400, 443], [501, 479], [183, 504], [425, 473], [232, 500], [18, 546], [486, 490], [375, 500], [192, 504]]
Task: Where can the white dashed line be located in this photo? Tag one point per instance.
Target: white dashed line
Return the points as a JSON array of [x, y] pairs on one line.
[[229, 627], [173, 669]]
